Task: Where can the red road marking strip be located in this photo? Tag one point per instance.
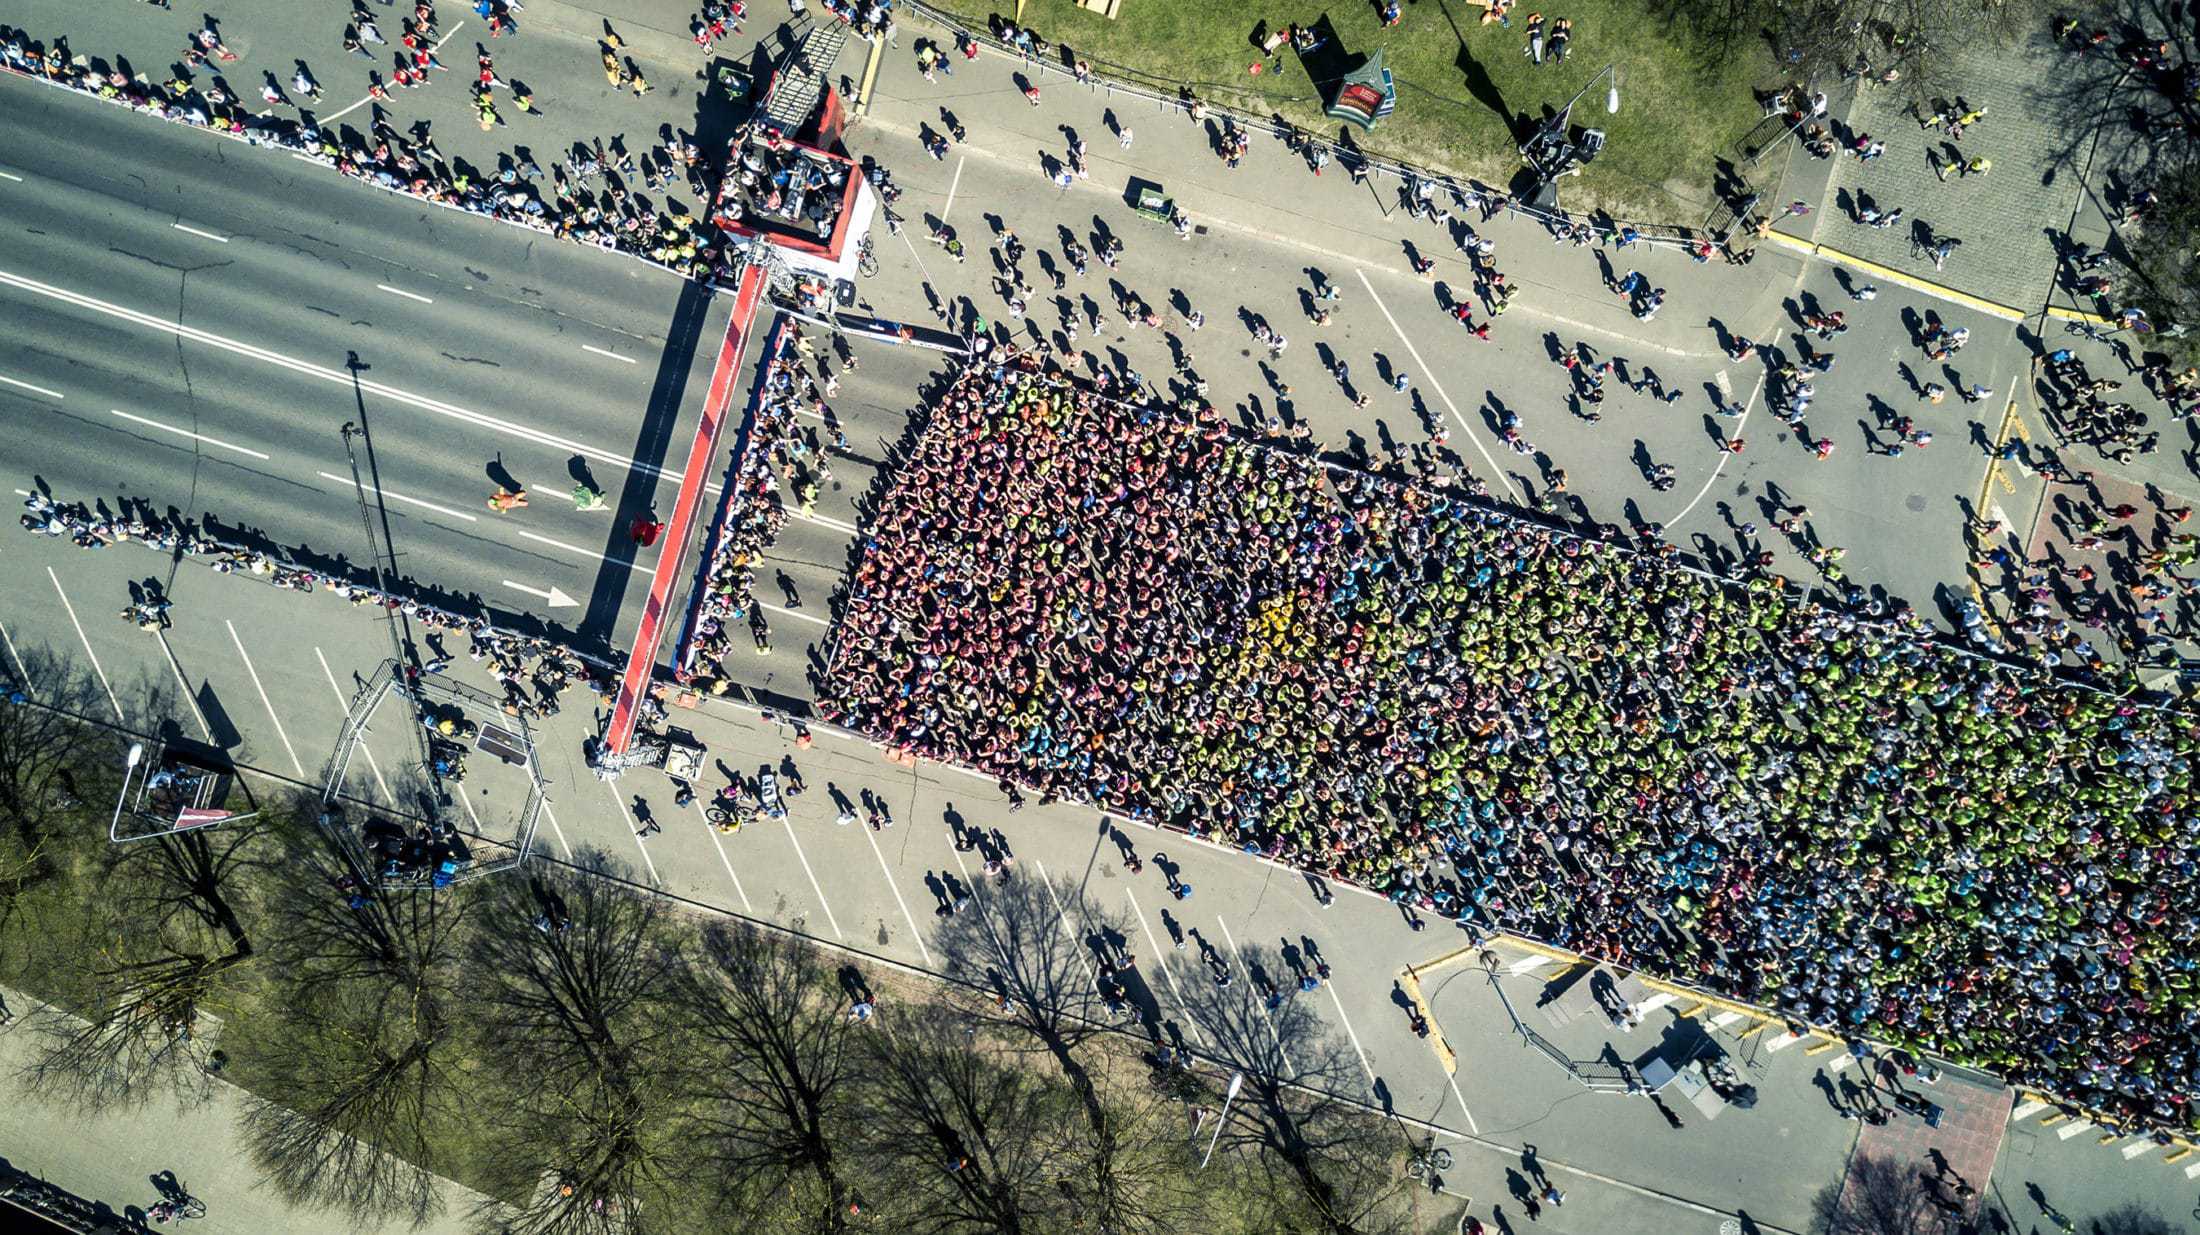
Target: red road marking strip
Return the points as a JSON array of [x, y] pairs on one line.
[[683, 656], [642, 660]]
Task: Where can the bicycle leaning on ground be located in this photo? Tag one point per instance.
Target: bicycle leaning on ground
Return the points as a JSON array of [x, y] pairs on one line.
[[177, 1209]]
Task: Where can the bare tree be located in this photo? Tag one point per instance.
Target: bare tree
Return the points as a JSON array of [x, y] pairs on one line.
[[772, 1064], [171, 937], [1325, 1163], [970, 1143], [567, 971], [1881, 1196], [1042, 949], [363, 1064], [52, 768], [1823, 41]]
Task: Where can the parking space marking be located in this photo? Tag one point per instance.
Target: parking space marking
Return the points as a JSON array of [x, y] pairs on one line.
[[788, 823], [1061, 921], [20, 672], [895, 888], [1161, 958], [269, 703], [563, 844], [1430, 374], [205, 730], [719, 845], [1282, 1054], [344, 705], [112, 702], [1349, 1032], [636, 833]]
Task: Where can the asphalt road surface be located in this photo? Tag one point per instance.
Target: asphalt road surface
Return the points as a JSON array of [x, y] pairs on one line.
[[178, 320]]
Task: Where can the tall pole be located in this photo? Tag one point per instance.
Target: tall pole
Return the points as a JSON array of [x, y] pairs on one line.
[[381, 587], [1237, 1080]]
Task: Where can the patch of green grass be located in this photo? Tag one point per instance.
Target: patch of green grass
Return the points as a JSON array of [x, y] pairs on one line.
[[1684, 99]]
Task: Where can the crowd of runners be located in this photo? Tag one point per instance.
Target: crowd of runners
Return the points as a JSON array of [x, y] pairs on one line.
[[533, 671], [592, 196], [781, 456], [1842, 818]]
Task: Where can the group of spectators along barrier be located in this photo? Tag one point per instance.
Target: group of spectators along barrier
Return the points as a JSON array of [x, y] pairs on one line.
[[531, 668], [1852, 822], [614, 219]]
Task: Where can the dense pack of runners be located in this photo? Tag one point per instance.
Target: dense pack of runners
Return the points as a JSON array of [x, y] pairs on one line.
[[1844, 818]]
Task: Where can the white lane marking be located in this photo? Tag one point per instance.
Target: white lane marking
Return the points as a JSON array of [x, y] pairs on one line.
[[399, 291], [202, 235], [636, 833], [337, 376], [11, 176], [555, 597], [1452, 1078], [196, 437], [915, 932], [1161, 959], [559, 544], [399, 497], [1421, 366], [343, 705], [370, 98], [1061, 920], [826, 521], [953, 185], [1270, 1017], [205, 730], [264, 700], [1724, 455], [720, 846], [21, 673], [113, 702], [307, 158], [562, 844], [472, 814], [1357, 1049], [814, 887], [586, 347], [798, 615], [51, 394]]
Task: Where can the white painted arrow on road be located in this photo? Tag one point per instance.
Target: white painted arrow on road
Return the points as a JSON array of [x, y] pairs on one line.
[[555, 598]]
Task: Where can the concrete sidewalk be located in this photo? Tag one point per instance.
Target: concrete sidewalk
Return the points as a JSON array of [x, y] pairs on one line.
[[110, 1157]]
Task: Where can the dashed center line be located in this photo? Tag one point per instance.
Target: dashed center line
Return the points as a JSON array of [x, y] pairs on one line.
[[399, 291], [51, 394], [196, 437], [559, 544], [201, 235], [11, 176], [399, 497], [589, 347]]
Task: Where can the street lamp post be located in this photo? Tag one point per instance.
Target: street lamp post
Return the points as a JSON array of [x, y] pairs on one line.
[[1237, 1081], [1548, 151], [129, 764]]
